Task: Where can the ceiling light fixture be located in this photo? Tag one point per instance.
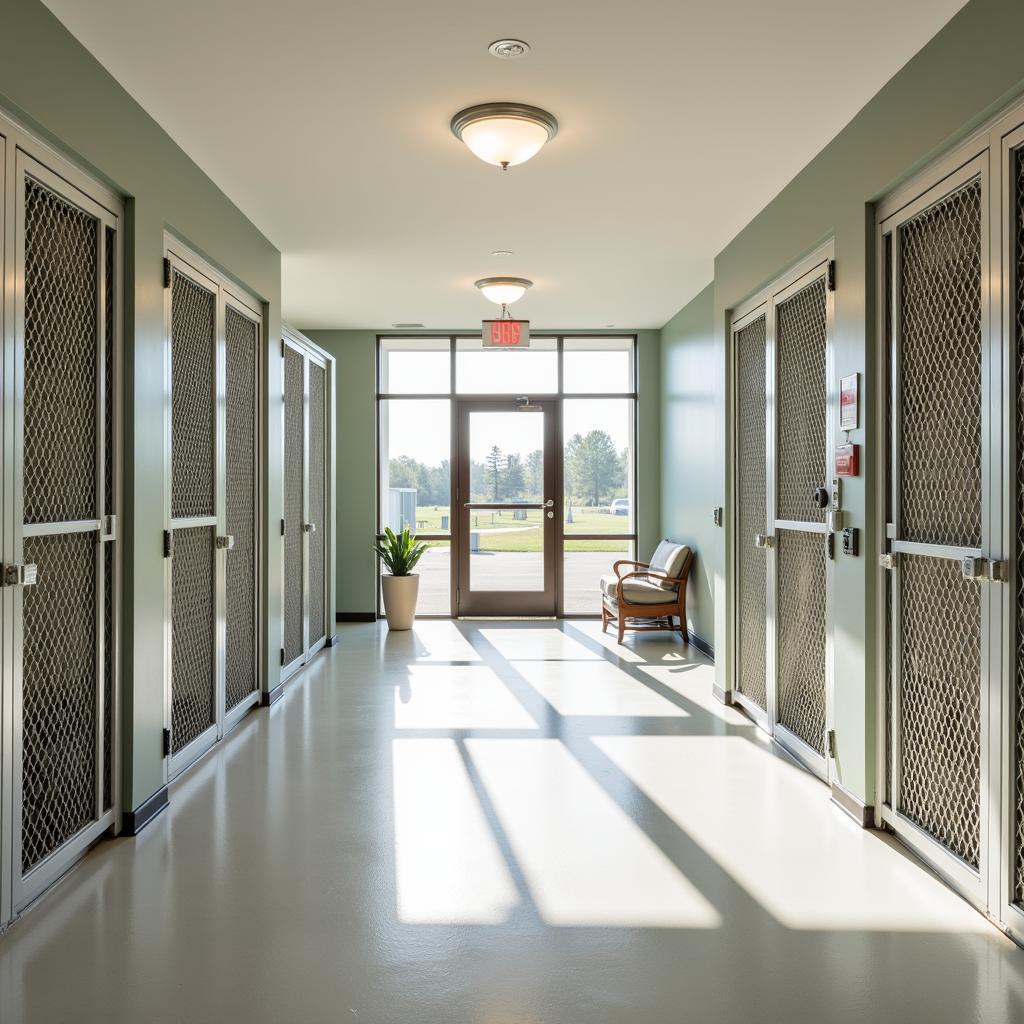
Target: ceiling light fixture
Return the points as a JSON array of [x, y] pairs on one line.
[[503, 252], [508, 49], [504, 134], [503, 290]]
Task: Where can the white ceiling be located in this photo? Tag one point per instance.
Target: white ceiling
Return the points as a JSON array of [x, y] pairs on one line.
[[326, 121]]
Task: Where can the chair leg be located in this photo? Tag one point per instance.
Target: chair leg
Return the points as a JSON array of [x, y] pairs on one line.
[[622, 626], [604, 619], [683, 631]]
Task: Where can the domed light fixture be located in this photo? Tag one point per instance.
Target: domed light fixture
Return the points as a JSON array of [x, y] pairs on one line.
[[504, 134], [503, 290]]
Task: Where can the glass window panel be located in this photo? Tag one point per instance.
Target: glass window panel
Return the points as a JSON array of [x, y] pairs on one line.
[[598, 474], [597, 365], [506, 371], [417, 366], [586, 561], [434, 568], [506, 546], [415, 469]]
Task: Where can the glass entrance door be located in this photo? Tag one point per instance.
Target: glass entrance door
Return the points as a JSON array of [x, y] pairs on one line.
[[508, 508]]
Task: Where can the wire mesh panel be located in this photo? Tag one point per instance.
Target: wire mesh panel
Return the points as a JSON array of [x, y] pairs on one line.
[[293, 505], [888, 497], [193, 362], [242, 336], [1018, 721], [800, 638], [317, 496], [940, 702], [60, 352], [193, 707], [800, 352], [58, 757], [751, 481], [940, 366]]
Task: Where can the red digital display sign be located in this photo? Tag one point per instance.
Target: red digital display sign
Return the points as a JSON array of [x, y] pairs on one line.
[[506, 333]]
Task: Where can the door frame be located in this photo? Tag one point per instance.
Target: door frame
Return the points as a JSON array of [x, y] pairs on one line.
[[765, 303], [510, 603]]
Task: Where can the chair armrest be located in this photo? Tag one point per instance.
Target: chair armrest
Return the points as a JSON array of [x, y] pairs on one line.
[[626, 561]]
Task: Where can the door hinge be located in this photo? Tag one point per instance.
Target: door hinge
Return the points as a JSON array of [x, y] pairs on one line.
[[284, 349], [282, 655], [282, 527], [830, 739], [831, 275], [19, 575], [888, 560], [167, 272], [168, 543], [167, 742], [830, 545]]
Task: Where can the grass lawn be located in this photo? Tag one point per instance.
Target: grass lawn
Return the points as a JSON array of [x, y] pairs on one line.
[[528, 535]]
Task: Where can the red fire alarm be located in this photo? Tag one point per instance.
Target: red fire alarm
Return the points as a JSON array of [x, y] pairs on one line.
[[848, 460]]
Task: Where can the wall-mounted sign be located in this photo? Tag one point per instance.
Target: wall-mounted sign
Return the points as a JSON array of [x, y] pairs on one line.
[[849, 402], [847, 460], [506, 333]]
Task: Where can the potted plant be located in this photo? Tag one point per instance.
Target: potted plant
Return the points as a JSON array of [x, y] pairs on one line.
[[400, 552]]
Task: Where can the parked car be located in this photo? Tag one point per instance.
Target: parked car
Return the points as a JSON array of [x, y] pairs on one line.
[[620, 507]]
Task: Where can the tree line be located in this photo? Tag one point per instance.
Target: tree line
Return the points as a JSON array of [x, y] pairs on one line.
[[595, 474]]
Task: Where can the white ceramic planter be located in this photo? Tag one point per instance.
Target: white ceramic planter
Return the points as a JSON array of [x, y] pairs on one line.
[[400, 593]]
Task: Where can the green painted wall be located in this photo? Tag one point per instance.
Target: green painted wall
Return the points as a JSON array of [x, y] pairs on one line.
[[690, 418], [964, 75], [54, 85], [355, 352]]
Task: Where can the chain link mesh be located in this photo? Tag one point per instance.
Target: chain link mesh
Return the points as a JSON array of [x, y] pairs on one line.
[[800, 347], [317, 493], [242, 473], [887, 341], [801, 635], [1018, 745], [940, 702], [752, 503], [193, 340], [61, 348], [940, 365], [193, 708], [58, 757], [293, 511]]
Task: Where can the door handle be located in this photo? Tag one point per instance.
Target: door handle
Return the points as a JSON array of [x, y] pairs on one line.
[[987, 570], [225, 542], [763, 540], [309, 527], [550, 503]]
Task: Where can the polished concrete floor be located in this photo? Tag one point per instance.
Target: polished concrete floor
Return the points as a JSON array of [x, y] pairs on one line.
[[503, 823]]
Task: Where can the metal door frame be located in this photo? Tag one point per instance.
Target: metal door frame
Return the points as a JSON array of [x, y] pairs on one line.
[[970, 161], [311, 359], [290, 668], [765, 303], [743, 317], [186, 262], [247, 307], [489, 604], [26, 159], [800, 277]]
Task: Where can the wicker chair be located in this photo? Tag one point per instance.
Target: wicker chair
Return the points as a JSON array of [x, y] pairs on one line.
[[651, 595]]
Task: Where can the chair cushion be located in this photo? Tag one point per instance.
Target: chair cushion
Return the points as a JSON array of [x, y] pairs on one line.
[[668, 558], [634, 591]]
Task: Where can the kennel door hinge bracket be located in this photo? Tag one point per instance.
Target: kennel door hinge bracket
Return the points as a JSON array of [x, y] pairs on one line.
[[167, 743], [168, 543], [831, 275], [167, 272], [830, 739]]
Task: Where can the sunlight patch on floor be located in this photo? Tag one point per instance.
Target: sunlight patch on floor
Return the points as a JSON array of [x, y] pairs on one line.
[[773, 828], [431, 640], [586, 863], [448, 868], [457, 697], [594, 688], [693, 680], [515, 643]]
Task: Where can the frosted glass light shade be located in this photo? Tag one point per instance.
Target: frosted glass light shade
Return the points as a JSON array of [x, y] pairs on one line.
[[503, 290], [504, 134]]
